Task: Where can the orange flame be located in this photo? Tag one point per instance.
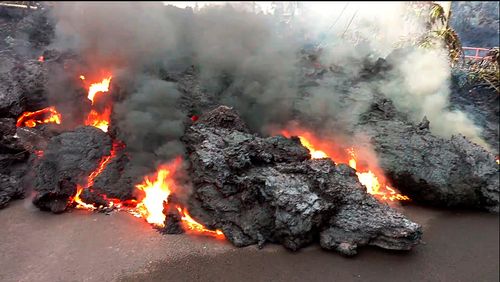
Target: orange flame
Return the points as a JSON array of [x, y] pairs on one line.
[[191, 226], [47, 115], [95, 118], [315, 154], [102, 86], [373, 185], [156, 192], [99, 120], [367, 177]]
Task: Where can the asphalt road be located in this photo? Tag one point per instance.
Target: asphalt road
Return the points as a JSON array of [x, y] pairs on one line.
[[85, 246]]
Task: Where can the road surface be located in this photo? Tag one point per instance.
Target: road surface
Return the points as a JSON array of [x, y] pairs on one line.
[[86, 246]]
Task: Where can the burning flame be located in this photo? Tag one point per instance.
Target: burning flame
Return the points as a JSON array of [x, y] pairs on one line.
[[102, 86], [368, 178], [190, 225], [96, 118], [157, 192], [99, 120], [47, 115], [315, 154]]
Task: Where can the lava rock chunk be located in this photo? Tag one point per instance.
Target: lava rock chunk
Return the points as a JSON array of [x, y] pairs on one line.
[[68, 160], [443, 172], [259, 190]]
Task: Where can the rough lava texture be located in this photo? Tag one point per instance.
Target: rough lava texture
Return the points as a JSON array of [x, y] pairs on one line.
[[68, 160], [12, 159], [259, 190], [432, 170]]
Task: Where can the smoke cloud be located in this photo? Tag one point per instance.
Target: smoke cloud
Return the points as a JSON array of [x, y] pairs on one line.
[[251, 61]]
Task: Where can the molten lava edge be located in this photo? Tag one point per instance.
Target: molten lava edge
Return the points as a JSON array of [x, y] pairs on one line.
[[32, 119], [156, 188], [375, 183]]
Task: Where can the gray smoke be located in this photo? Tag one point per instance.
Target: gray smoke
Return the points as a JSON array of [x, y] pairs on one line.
[[250, 61]]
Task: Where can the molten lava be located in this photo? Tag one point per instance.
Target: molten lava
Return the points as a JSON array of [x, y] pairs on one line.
[[191, 226], [99, 120], [90, 180], [94, 88], [315, 154], [373, 181], [156, 191], [96, 118], [31, 119]]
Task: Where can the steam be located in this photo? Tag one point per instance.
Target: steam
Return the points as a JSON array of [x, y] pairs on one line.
[[251, 61]]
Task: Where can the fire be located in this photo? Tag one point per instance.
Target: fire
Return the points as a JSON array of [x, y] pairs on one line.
[[373, 181], [315, 154], [41, 59], [156, 191], [373, 186], [102, 86], [47, 115], [190, 225], [99, 120]]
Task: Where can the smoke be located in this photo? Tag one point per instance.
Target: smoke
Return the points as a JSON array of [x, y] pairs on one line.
[[251, 61]]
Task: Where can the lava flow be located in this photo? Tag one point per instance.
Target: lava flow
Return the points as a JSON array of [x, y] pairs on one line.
[[46, 115], [157, 190], [369, 179], [191, 226], [96, 118], [80, 204]]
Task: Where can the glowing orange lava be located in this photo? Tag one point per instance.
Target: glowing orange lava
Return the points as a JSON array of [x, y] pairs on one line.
[[90, 180], [102, 86], [191, 226], [98, 118], [373, 181], [315, 154], [157, 190], [31, 119]]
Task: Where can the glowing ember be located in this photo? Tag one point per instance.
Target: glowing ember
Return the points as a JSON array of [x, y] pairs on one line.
[[156, 192], [194, 118], [99, 120], [31, 119], [38, 153], [82, 77], [374, 183], [41, 59], [102, 86], [191, 226]]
